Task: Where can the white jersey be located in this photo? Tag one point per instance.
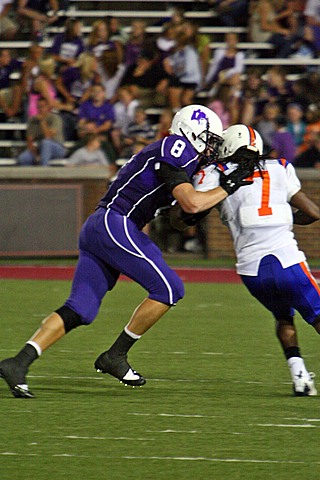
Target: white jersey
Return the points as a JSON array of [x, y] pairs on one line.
[[259, 216]]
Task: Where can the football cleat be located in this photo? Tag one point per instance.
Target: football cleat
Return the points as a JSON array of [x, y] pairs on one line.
[[15, 377], [304, 387], [119, 368]]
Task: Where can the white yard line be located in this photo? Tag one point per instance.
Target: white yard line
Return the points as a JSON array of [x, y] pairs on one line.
[[166, 458]]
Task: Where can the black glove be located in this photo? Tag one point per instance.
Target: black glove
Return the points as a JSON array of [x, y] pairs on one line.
[[236, 179], [192, 219]]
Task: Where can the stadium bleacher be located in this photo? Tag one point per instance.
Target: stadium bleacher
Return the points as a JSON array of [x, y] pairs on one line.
[[205, 18]]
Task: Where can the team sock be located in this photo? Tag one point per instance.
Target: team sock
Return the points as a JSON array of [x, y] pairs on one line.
[[297, 368], [122, 345], [27, 355]]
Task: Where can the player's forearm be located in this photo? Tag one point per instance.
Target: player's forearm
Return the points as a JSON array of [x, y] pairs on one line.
[[192, 201], [301, 218], [307, 211]]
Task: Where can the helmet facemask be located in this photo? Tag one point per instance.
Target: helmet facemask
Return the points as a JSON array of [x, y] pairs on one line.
[[212, 143]]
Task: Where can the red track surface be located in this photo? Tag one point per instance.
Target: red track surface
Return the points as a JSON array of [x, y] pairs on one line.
[[205, 275], [201, 275]]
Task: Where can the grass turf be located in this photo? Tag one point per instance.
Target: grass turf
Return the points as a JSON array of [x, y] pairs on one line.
[[217, 403]]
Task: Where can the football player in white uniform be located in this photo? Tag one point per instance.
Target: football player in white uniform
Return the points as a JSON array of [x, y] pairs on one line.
[[260, 218]]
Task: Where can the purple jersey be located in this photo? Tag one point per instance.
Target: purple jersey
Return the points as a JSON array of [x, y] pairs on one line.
[[138, 191], [7, 70], [98, 115], [111, 240], [71, 78], [67, 48]]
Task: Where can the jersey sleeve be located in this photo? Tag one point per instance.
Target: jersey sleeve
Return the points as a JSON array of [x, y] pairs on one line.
[[177, 151], [293, 182], [206, 179]]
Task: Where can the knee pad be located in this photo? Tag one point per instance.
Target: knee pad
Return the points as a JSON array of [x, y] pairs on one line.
[[70, 318]]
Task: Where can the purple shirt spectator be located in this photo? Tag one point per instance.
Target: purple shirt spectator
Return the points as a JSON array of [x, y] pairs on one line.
[[71, 79], [70, 49], [98, 115], [283, 144], [7, 70]]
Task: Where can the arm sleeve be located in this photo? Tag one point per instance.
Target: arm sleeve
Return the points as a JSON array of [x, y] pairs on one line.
[[171, 176]]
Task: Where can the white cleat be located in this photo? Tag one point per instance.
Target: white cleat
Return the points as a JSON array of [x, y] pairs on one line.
[[304, 387]]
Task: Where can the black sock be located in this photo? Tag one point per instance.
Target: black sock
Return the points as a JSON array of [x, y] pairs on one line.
[[122, 345], [292, 352], [27, 355]]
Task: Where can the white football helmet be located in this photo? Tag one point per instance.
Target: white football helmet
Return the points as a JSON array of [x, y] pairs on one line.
[[200, 125], [238, 136]]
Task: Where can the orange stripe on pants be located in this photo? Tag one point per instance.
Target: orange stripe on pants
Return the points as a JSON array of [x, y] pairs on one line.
[[311, 278]]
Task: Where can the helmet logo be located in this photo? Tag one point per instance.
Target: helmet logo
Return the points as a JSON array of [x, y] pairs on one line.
[[198, 115]]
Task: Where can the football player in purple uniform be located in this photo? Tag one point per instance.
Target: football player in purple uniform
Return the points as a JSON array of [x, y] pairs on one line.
[[112, 242]]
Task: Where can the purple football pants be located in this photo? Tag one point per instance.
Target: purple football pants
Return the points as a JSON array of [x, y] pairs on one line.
[[111, 244]]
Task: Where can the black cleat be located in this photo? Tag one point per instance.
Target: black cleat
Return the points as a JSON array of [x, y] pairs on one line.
[[119, 367], [15, 377]]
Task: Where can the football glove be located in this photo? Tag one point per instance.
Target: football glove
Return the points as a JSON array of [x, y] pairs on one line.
[[236, 179]]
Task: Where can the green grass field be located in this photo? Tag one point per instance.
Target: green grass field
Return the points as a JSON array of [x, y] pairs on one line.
[[217, 403]]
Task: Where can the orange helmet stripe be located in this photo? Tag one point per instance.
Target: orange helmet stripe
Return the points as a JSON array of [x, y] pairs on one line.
[[252, 136]]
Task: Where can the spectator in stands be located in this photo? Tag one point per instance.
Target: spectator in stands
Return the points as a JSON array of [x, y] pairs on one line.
[[37, 14], [44, 86], [44, 137], [223, 104], [227, 64], [185, 72], [8, 28], [231, 12], [312, 127], [116, 33], [139, 134], [135, 43], [166, 40], [68, 45], [274, 21], [30, 71], [74, 87], [147, 79], [110, 73], [267, 125], [303, 92], [314, 78], [283, 145], [90, 155], [96, 115], [124, 109], [201, 43], [99, 40], [31, 66], [165, 121], [279, 89], [254, 96], [312, 19], [74, 83], [175, 16], [10, 95], [310, 158], [296, 124]]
